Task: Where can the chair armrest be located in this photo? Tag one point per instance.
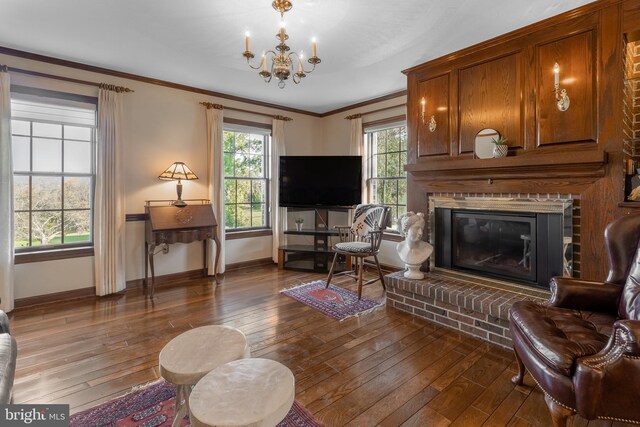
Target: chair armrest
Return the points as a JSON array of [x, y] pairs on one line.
[[578, 294], [629, 331]]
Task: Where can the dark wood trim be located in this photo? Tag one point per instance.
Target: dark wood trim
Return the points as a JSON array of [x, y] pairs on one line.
[[74, 294], [368, 102], [392, 237], [130, 76], [520, 32], [141, 216], [235, 235], [380, 122], [632, 205], [167, 279], [248, 264], [29, 257], [248, 122]]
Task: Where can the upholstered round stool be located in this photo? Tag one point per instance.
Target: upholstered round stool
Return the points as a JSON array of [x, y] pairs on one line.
[[247, 392], [193, 354]]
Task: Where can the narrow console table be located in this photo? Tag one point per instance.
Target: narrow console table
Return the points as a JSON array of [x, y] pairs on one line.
[[166, 225]]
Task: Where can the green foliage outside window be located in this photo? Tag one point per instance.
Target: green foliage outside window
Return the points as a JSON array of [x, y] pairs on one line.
[[387, 179], [245, 186]]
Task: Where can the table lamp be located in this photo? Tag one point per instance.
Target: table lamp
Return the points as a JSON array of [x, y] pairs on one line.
[[179, 171]]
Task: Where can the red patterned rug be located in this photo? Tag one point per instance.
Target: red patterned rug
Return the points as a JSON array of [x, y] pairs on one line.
[[153, 405], [334, 301]]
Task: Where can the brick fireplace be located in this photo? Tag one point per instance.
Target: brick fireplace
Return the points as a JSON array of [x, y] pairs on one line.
[[509, 229]]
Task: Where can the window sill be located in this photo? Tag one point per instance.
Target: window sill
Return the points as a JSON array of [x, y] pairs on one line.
[[234, 235], [56, 254]]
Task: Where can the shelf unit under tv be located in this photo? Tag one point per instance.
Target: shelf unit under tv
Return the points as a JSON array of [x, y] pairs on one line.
[[316, 257]]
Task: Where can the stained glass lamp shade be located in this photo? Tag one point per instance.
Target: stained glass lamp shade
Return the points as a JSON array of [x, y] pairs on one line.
[[179, 171]]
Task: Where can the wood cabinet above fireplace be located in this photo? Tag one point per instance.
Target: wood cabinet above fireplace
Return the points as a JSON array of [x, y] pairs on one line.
[[508, 84]]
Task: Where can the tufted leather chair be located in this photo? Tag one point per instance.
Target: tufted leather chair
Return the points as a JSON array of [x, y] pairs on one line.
[[582, 346]]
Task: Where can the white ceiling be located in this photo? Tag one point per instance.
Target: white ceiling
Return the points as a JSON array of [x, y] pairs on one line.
[[363, 44]]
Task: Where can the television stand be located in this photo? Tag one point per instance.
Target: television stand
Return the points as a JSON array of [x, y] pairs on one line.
[[316, 257]]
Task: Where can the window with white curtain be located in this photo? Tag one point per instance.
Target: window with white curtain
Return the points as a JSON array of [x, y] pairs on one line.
[[53, 146], [386, 159], [246, 177]]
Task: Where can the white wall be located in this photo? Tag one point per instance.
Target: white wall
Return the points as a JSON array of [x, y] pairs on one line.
[[163, 125]]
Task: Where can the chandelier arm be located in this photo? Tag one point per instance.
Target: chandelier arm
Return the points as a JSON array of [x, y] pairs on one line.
[[313, 67]]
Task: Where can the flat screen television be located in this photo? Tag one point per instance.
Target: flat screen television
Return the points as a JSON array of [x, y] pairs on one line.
[[323, 181]]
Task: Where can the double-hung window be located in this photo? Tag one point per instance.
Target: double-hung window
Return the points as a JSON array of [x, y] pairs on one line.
[[386, 177], [53, 139], [246, 177]]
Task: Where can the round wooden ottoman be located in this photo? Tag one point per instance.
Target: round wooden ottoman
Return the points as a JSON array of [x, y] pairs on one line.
[[247, 392], [193, 354]]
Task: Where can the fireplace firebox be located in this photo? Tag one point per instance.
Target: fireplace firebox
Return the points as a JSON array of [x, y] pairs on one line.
[[517, 244]]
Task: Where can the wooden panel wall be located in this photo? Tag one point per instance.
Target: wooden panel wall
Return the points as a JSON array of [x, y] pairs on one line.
[[435, 91], [507, 84], [576, 57], [490, 98]]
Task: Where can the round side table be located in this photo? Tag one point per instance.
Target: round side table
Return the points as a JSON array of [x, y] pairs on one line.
[[193, 354], [247, 392]]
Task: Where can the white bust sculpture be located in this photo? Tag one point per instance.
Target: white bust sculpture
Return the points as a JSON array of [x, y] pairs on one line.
[[413, 251]]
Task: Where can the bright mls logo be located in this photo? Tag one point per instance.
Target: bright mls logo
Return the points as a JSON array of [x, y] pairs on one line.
[[34, 415]]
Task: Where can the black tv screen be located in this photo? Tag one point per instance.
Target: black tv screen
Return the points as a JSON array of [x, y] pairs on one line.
[[329, 181]]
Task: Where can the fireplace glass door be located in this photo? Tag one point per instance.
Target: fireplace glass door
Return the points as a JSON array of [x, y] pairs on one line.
[[498, 244]]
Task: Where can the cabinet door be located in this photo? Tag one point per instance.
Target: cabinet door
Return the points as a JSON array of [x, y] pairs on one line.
[[435, 91], [576, 59], [490, 95]]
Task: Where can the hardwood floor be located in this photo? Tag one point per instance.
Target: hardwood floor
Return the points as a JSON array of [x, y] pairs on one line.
[[385, 368]]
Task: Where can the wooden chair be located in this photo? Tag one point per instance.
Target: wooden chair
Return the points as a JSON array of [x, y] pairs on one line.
[[361, 240]]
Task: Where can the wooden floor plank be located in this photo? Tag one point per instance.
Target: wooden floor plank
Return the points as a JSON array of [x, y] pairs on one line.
[[384, 368]]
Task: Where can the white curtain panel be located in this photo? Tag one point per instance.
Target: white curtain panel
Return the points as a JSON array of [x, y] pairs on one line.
[[215, 169], [6, 196], [108, 210], [357, 148], [279, 216]]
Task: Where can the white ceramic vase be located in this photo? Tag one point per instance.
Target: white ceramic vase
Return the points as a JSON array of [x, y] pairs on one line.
[[500, 151]]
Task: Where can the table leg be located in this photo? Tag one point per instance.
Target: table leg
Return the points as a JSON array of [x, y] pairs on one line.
[[146, 265], [153, 273], [204, 258], [182, 404], [218, 246]]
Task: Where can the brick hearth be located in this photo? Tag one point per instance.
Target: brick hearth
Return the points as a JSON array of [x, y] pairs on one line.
[[465, 305]]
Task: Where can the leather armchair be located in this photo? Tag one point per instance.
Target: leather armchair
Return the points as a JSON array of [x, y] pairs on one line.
[[582, 347], [8, 353]]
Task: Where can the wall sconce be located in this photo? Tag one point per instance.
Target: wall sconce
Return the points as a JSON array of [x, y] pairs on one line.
[[562, 99], [432, 121]]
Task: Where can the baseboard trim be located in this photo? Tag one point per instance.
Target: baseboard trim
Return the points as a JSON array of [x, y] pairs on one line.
[[166, 278], [247, 264], [55, 297], [390, 268]]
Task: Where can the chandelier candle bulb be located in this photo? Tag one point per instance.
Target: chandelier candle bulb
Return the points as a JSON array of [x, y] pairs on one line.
[[313, 47], [556, 72], [246, 41], [424, 103], [300, 65], [264, 62]]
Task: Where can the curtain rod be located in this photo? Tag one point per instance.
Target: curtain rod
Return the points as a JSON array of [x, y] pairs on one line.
[[222, 107], [355, 116], [69, 79]]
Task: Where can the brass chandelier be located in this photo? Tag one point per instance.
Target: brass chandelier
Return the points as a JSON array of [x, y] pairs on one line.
[[282, 63]]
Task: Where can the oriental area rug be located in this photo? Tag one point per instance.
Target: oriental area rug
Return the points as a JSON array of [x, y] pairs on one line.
[[335, 302], [153, 405]]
